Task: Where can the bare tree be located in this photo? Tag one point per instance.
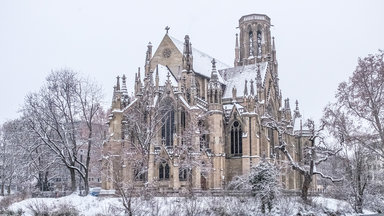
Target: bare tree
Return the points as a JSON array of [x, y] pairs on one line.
[[57, 114], [358, 117], [362, 97], [314, 154]]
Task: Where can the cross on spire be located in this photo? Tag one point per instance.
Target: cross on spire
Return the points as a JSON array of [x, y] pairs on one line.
[[167, 28]]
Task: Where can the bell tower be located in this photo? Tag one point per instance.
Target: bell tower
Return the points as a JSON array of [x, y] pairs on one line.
[[255, 40]]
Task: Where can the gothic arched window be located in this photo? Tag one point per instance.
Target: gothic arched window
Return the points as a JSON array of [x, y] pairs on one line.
[[182, 118], [250, 34], [259, 43], [216, 97], [184, 173], [164, 171], [168, 127], [271, 142], [236, 139]]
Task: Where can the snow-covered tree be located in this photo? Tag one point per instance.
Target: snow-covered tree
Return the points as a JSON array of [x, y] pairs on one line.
[[264, 182], [361, 98], [15, 170], [317, 152], [60, 113], [358, 117]]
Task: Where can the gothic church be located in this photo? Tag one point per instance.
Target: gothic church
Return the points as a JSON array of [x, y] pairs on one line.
[[195, 122]]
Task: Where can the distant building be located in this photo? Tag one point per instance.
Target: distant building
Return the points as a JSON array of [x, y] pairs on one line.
[[236, 101]]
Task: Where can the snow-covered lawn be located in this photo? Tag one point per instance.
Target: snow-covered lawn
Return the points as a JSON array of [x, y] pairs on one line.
[[91, 206]]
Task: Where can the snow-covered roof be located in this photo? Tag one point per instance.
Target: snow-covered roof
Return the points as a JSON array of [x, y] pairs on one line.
[[201, 61], [163, 75], [235, 77]]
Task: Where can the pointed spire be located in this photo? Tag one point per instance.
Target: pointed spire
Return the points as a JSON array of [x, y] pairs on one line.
[[234, 92], [157, 77], [168, 76], [237, 51], [124, 86], [138, 74], [297, 112], [118, 83], [258, 77], [214, 76], [245, 88], [286, 104], [252, 88], [187, 55]]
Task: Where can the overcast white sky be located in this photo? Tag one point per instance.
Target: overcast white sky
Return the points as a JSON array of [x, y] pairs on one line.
[[318, 42]]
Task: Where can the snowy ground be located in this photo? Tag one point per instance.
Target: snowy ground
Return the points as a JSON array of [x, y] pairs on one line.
[[90, 205]]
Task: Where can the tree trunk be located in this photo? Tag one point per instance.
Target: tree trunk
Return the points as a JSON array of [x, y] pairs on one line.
[[86, 184], [73, 180], [305, 187], [9, 189], [2, 189]]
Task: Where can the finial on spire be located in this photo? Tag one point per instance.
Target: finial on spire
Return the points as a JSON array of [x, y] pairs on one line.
[[168, 76], [167, 28], [297, 105], [213, 63]]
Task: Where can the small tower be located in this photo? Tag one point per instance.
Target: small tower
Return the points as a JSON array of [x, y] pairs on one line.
[[214, 90]]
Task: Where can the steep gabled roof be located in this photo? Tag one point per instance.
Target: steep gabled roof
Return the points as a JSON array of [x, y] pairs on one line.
[[201, 61], [235, 77]]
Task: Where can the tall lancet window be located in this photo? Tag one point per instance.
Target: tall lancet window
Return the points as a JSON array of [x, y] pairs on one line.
[[259, 43], [168, 127], [164, 171], [236, 139], [251, 43]]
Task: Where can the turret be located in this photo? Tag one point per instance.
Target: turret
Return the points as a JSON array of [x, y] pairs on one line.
[[214, 89]]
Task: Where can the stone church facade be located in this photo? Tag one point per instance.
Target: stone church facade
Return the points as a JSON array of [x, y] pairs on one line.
[[204, 121]]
